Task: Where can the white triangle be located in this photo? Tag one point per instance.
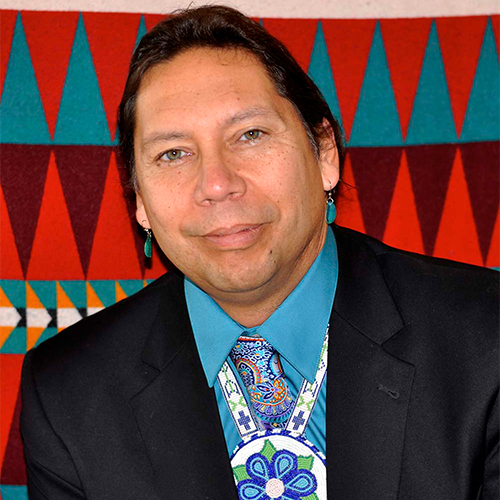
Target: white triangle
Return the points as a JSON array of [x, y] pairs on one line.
[[67, 316], [37, 317], [9, 316]]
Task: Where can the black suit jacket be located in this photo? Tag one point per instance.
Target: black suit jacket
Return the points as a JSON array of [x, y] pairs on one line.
[[117, 406]]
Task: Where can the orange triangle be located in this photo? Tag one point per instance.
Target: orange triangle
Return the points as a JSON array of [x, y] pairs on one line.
[[460, 39], [111, 55], [33, 333], [4, 300], [119, 292], [348, 42], [457, 235], [55, 254], [7, 24], [151, 20], [348, 207], [62, 298], [493, 259], [10, 266], [495, 22], [50, 38], [5, 331], [114, 254], [32, 300], [92, 298], [405, 41], [297, 34], [403, 229]]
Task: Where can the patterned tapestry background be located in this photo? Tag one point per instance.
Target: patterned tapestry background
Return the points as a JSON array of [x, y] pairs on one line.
[[418, 100]]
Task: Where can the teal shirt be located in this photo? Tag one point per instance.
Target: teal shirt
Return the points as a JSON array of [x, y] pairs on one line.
[[296, 330]]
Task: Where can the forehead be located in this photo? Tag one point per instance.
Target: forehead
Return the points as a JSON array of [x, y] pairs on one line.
[[202, 79]]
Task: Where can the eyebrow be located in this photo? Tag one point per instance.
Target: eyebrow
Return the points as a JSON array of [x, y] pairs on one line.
[[232, 120]]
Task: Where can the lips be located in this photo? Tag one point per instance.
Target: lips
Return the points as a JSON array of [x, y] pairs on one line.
[[239, 236]]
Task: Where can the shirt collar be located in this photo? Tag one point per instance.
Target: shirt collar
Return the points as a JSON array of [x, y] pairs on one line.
[[304, 314]]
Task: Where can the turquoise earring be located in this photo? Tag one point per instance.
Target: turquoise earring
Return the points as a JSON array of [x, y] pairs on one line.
[[331, 210], [148, 245]]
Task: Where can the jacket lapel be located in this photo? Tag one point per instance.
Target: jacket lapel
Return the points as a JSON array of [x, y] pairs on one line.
[[177, 412], [368, 389]]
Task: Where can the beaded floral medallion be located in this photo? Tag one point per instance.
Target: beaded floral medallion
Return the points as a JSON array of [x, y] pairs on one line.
[[279, 463]]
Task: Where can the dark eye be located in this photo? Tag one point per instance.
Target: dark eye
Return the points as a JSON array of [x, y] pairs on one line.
[[251, 135]]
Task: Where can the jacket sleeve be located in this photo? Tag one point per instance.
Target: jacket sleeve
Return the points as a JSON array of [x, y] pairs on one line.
[[50, 469], [491, 487]]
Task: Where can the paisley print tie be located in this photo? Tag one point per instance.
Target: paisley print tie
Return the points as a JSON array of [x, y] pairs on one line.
[[260, 369]]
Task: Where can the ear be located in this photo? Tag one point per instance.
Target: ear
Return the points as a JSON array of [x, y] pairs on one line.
[[140, 212], [329, 157]]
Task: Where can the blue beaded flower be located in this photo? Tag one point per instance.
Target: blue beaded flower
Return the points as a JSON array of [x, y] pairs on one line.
[[279, 479]]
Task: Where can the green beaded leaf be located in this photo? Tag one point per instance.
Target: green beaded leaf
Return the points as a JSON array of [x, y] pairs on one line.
[[240, 473], [312, 496], [305, 462], [268, 450]]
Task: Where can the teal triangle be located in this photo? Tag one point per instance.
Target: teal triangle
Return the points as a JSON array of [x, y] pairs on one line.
[[46, 292], [321, 72], [105, 290], [16, 342], [22, 117], [432, 119], [376, 122], [482, 119], [140, 32], [131, 286], [13, 492], [81, 118], [77, 292], [15, 291], [46, 334]]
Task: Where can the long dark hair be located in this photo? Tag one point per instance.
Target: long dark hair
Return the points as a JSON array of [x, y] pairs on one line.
[[223, 27]]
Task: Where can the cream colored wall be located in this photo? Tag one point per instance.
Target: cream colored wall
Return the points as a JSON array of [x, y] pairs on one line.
[[280, 8]]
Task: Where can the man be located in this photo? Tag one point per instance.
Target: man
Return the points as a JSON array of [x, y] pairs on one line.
[[217, 384]]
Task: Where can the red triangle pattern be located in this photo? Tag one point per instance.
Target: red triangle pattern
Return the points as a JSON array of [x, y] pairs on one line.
[[7, 25], [54, 236], [457, 236], [114, 254], [13, 467], [83, 175], [461, 39], [493, 259], [10, 374], [151, 20], [481, 162], [347, 201], [430, 168], [375, 172], [111, 55], [10, 266], [129, 197], [405, 41], [24, 170], [495, 21], [297, 34], [348, 43], [50, 33], [403, 229]]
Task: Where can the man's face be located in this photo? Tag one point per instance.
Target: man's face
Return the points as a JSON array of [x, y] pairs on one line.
[[227, 178]]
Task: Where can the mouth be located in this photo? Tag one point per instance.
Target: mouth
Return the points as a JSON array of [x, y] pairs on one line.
[[235, 237]]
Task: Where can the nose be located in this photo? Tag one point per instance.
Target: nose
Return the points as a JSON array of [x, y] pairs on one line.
[[218, 179]]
